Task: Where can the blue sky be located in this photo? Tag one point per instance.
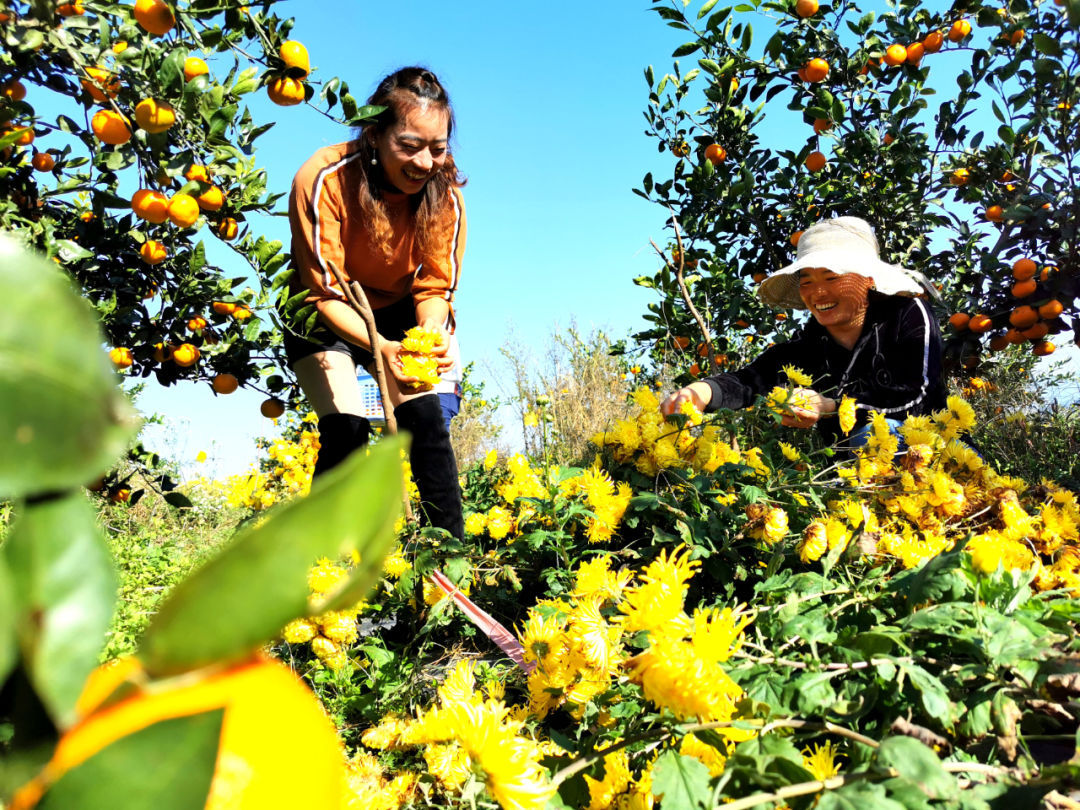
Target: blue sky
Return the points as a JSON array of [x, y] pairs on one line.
[[550, 131]]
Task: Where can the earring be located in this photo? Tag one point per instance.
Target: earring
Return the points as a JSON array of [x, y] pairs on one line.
[[374, 160]]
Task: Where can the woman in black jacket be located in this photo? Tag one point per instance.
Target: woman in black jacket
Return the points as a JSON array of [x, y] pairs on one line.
[[869, 338]]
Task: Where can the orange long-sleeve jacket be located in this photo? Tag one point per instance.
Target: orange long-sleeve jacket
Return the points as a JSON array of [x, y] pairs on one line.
[[327, 225]]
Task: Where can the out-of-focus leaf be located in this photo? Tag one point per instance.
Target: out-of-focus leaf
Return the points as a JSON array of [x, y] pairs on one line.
[[64, 590], [8, 650], [166, 766], [62, 418], [244, 596]]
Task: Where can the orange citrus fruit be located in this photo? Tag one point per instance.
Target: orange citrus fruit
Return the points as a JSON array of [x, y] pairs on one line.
[[816, 70], [26, 136], [43, 162], [1023, 317], [1022, 289], [121, 357], [994, 213], [959, 321], [225, 383], [14, 90], [980, 323], [822, 125], [1016, 37], [228, 228], [110, 127], [193, 67], [257, 765], [806, 8], [295, 57], [154, 16], [1023, 269], [1043, 348], [815, 161], [933, 42], [70, 9], [197, 323], [1051, 309], [915, 53], [959, 30], [998, 342], [223, 307], [895, 55], [183, 210], [186, 355], [1047, 272], [162, 352], [715, 154], [153, 252], [960, 177], [150, 205], [212, 199], [285, 91], [154, 116], [241, 313], [1036, 331], [272, 408], [197, 172], [794, 238], [1013, 336]]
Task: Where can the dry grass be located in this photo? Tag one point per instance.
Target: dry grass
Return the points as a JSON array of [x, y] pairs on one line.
[[587, 387]]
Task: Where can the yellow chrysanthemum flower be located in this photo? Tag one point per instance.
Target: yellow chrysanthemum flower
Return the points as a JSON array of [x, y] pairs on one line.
[[798, 377], [846, 412]]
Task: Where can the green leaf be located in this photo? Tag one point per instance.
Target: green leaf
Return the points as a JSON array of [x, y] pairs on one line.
[[706, 8], [64, 593], [914, 761], [243, 597], [682, 782], [167, 766], [932, 694], [857, 796], [1044, 43], [8, 648], [63, 421]]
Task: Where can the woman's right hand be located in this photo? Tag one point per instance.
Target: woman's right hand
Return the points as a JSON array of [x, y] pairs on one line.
[[391, 357], [699, 394]]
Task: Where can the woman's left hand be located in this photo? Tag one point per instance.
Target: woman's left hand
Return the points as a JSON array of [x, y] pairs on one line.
[[807, 407]]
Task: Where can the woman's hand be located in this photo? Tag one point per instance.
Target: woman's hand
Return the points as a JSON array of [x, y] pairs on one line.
[[698, 394], [807, 407], [391, 357]]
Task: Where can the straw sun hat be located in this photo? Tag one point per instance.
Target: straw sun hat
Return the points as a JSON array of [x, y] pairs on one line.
[[844, 245]]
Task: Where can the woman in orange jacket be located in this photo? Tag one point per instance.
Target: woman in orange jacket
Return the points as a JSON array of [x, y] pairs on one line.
[[386, 209]]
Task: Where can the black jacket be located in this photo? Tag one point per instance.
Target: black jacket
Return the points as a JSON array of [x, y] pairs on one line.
[[894, 367]]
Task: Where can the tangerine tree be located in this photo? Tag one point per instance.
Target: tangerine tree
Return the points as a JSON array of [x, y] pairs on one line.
[[127, 145], [951, 130]]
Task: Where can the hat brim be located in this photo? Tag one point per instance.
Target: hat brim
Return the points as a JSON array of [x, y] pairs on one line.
[[781, 289]]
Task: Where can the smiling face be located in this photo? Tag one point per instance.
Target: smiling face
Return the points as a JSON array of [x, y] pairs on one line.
[[414, 149], [836, 301]]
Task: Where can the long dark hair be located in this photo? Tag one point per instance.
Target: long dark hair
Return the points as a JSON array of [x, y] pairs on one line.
[[401, 91]]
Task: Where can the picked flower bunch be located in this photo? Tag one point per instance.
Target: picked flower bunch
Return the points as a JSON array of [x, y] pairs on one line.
[[784, 400], [417, 359]]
